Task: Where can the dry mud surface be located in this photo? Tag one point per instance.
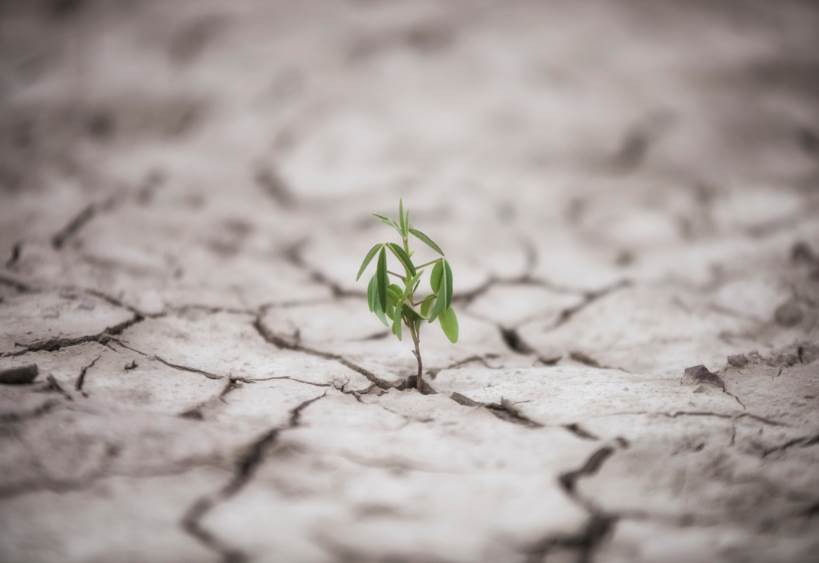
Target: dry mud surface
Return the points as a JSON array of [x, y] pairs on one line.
[[625, 190]]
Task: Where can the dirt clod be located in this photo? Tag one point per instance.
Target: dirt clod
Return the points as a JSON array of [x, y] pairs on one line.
[[19, 375], [788, 314], [701, 375]]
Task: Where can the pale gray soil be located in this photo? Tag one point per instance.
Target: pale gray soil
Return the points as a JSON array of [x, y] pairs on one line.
[[624, 189]]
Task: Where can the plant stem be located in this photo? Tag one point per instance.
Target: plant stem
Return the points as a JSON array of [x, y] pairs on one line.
[[399, 276], [425, 264], [416, 340]]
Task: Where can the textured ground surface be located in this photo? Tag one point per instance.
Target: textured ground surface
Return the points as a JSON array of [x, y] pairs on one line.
[[625, 190]]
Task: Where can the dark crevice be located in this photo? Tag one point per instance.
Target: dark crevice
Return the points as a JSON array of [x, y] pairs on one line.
[[583, 358], [589, 297], [282, 343], [598, 526], [516, 343], [591, 466], [78, 385], [380, 335], [579, 431], [638, 140], [17, 285], [54, 344], [504, 410], [676, 414], [167, 363], [244, 470], [585, 542], [801, 442], [40, 410], [111, 300], [102, 471], [16, 252], [83, 217], [73, 226], [433, 372], [294, 379], [508, 411], [356, 394], [198, 412], [274, 186], [53, 386]]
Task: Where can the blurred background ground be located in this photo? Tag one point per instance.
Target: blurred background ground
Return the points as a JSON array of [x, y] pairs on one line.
[[625, 189]]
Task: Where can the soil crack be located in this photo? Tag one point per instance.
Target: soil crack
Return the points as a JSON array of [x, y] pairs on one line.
[[245, 468]]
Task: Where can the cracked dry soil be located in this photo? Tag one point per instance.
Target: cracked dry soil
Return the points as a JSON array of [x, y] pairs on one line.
[[628, 194]]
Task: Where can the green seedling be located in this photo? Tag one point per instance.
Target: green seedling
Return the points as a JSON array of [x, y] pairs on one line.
[[398, 307]]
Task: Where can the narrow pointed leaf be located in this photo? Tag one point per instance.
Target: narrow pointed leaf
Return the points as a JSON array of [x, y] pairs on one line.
[[382, 316], [442, 298], [395, 293], [426, 304], [387, 221], [396, 324], [381, 277], [393, 299], [426, 240], [403, 257], [435, 276], [402, 219], [437, 308], [374, 302], [449, 324], [367, 260], [372, 294], [448, 272]]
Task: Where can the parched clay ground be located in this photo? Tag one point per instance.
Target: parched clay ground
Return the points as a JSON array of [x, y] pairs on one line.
[[625, 190]]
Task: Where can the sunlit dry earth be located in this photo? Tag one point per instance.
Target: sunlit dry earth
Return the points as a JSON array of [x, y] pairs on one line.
[[626, 190]]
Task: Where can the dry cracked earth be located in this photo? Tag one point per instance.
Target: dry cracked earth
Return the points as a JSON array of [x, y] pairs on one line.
[[628, 192]]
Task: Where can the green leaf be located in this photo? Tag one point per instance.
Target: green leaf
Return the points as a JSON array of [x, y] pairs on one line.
[[403, 257], [437, 308], [382, 316], [402, 219], [396, 323], [381, 276], [372, 294], [374, 302], [426, 240], [448, 271], [426, 304], [394, 292], [367, 260], [449, 324], [394, 298], [387, 221], [435, 276], [443, 298]]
